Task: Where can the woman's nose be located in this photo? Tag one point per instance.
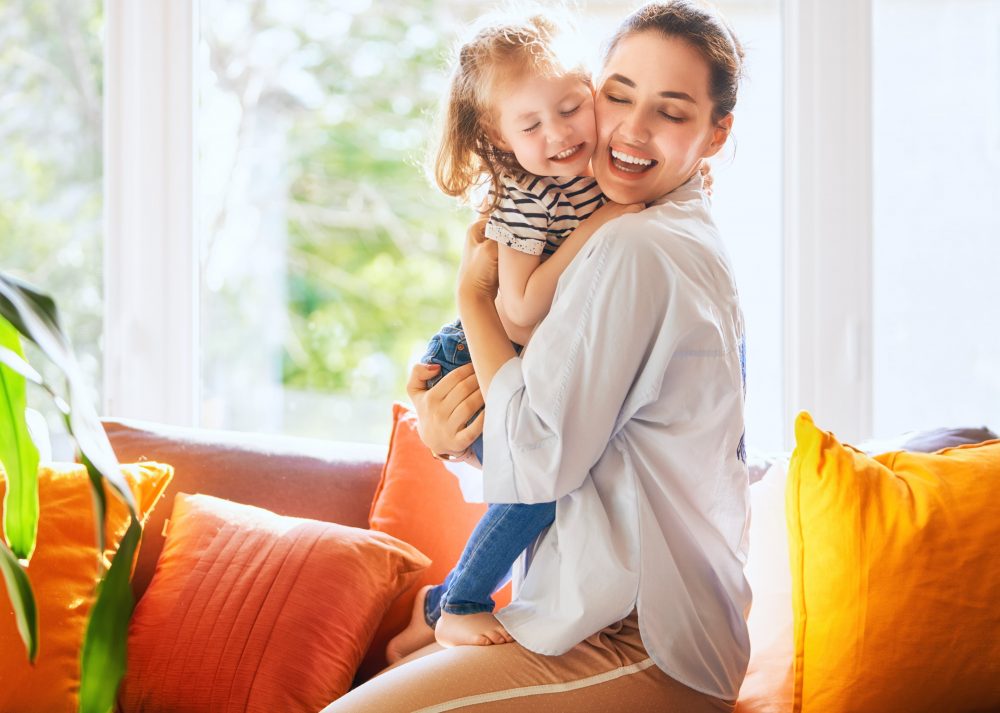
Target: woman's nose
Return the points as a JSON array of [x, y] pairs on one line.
[[633, 128]]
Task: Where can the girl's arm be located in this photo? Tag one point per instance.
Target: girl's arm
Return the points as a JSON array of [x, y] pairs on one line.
[[551, 414], [527, 285], [518, 334]]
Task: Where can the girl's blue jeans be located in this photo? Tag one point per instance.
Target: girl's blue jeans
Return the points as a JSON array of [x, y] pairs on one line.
[[449, 350], [502, 534]]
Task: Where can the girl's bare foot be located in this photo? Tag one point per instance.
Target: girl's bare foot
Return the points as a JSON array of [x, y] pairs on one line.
[[481, 629], [415, 636]]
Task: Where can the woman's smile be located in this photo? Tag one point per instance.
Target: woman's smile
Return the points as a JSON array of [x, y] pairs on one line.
[[629, 162]]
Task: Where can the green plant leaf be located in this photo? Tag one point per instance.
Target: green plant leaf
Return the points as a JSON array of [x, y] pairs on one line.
[[18, 454], [34, 315], [41, 302], [16, 363], [102, 661], [22, 599]]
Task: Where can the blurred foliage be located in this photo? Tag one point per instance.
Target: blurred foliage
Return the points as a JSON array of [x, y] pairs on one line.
[[372, 247], [50, 166], [366, 247]]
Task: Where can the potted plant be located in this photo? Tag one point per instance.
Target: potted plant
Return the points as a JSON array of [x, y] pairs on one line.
[[27, 313]]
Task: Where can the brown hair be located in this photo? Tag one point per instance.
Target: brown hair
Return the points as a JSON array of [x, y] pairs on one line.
[[497, 55], [703, 28]]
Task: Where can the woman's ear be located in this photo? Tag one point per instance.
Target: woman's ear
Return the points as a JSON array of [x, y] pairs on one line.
[[720, 133]]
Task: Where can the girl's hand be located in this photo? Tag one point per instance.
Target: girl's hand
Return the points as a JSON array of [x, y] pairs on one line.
[[443, 412], [478, 274], [608, 212]]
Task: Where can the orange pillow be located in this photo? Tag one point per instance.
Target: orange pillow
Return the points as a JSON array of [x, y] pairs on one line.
[[419, 502], [895, 576], [63, 573], [250, 610]]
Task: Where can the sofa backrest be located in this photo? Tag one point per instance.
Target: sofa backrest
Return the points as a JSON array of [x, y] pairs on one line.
[[323, 480]]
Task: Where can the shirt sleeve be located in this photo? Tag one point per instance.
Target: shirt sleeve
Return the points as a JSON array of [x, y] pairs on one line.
[[551, 414], [520, 222]]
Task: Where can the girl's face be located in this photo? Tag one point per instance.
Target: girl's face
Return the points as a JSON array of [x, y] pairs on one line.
[[548, 124], [654, 118]]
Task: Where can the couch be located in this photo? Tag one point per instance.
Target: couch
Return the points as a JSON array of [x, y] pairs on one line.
[[322, 480], [335, 481]]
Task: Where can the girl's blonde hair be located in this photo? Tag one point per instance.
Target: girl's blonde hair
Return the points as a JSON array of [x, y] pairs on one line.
[[496, 56]]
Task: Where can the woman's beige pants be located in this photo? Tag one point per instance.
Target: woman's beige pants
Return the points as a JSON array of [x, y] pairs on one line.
[[609, 671]]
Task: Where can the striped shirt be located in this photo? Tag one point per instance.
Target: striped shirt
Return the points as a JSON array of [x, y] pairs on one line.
[[537, 213]]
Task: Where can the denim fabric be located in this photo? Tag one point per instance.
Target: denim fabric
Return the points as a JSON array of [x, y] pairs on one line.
[[448, 349], [502, 534]]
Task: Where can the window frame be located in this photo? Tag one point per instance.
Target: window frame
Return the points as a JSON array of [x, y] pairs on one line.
[[150, 260]]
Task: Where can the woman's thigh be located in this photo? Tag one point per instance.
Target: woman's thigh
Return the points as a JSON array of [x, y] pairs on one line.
[[609, 671]]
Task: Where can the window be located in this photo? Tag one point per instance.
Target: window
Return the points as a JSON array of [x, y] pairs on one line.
[[936, 90], [327, 259], [51, 166], [747, 205]]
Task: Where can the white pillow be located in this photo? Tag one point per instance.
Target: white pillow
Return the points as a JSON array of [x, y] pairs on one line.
[[768, 685]]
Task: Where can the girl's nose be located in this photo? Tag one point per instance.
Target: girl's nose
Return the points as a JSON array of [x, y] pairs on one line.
[[560, 131]]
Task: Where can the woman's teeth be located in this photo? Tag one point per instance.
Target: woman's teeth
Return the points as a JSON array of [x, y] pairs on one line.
[[627, 162], [567, 153]]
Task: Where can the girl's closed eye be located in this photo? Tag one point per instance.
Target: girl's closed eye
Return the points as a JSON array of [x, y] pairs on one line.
[[532, 127], [570, 112]]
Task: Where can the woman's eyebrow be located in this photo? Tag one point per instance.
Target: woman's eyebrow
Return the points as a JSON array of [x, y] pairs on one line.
[[678, 95], [622, 79]]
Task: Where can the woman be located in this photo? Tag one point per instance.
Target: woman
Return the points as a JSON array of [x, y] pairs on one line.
[[626, 408]]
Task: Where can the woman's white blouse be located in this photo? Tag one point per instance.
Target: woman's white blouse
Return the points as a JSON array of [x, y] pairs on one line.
[[626, 408]]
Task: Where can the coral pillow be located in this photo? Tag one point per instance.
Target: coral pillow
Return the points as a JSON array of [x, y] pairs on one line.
[[254, 611], [419, 502], [894, 577], [63, 573]]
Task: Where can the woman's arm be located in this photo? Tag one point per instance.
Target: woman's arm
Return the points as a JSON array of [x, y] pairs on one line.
[[551, 415], [528, 284], [478, 282]]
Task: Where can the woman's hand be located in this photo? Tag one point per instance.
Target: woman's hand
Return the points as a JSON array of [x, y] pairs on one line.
[[478, 275], [443, 412]]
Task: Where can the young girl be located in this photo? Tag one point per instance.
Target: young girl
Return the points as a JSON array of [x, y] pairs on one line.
[[521, 119]]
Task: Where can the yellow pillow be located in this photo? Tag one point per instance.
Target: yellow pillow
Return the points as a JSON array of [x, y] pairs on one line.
[[63, 573], [895, 577]]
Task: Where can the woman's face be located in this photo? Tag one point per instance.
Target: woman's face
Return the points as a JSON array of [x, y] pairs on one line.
[[654, 118]]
